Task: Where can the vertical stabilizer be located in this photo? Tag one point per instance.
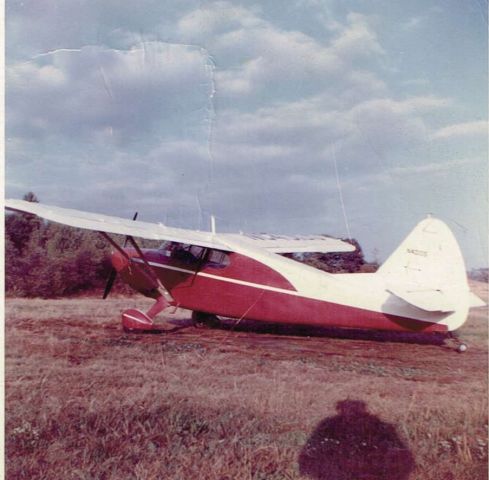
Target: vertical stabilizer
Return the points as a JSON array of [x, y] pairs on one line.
[[427, 270], [429, 255]]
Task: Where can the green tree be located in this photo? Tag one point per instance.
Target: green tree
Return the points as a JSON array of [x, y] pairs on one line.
[[19, 227], [47, 259], [338, 262]]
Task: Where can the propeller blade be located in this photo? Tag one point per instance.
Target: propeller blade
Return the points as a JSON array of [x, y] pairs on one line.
[[127, 237], [113, 272], [110, 283]]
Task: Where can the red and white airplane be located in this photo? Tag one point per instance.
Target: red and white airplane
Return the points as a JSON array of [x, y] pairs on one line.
[[421, 287]]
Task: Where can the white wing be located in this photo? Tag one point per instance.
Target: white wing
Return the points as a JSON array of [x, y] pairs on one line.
[[299, 243], [158, 231], [108, 224]]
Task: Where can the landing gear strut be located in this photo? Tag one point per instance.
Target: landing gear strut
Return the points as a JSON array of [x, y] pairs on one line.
[[133, 319]]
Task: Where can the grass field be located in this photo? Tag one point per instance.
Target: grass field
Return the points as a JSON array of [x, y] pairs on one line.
[[86, 401]]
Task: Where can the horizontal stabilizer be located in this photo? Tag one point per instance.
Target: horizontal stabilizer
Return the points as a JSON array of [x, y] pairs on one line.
[[427, 299]]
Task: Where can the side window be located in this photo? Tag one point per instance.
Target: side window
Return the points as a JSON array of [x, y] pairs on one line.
[[196, 251], [217, 259], [166, 248], [191, 254], [183, 253]]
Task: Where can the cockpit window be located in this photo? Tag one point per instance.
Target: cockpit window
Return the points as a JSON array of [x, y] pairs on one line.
[[217, 259], [188, 254], [193, 254], [196, 251]]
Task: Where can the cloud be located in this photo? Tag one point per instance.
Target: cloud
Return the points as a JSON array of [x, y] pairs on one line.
[[306, 134], [280, 161], [34, 26], [357, 39], [109, 128], [467, 129], [216, 18], [113, 118], [413, 23], [104, 95], [255, 55], [430, 168], [418, 21], [416, 82], [252, 54], [387, 125], [164, 182]]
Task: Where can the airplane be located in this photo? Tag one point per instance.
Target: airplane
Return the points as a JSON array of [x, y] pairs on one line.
[[421, 287]]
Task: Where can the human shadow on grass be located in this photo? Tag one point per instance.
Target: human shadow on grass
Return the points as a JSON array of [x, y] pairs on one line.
[[355, 444]]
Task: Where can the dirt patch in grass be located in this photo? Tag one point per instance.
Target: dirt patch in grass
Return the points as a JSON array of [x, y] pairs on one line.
[[86, 401]]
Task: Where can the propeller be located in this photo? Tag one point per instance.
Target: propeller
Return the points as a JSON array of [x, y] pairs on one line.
[[113, 271], [110, 282]]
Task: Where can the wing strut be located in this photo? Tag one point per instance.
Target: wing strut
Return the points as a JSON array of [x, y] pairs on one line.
[[159, 286], [133, 319], [113, 271], [147, 271]]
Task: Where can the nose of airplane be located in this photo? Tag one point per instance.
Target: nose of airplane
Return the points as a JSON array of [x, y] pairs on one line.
[[119, 261]]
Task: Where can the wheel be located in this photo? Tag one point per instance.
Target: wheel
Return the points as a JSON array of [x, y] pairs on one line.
[[205, 320], [456, 342]]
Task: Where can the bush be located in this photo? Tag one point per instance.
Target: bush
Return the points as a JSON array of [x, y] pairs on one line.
[[47, 260], [339, 262]]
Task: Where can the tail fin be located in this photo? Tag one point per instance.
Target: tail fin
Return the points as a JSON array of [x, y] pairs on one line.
[[429, 255], [427, 270]]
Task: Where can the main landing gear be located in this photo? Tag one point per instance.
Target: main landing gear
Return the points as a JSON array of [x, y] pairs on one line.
[[134, 320], [205, 320]]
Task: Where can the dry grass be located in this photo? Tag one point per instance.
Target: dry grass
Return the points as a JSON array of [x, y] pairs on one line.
[[86, 401]]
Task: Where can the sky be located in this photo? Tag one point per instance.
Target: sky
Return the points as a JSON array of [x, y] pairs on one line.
[[345, 117]]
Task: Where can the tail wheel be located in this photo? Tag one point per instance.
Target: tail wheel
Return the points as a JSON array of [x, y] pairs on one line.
[[462, 348], [459, 346], [205, 320]]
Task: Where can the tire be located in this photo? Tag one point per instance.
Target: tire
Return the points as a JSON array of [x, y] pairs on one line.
[[205, 320]]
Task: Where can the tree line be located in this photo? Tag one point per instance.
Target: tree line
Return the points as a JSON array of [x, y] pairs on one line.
[[45, 259]]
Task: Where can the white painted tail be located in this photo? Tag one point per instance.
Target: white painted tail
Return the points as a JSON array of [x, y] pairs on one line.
[[427, 270]]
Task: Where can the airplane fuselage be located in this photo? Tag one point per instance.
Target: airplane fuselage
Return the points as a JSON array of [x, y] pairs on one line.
[[233, 285]]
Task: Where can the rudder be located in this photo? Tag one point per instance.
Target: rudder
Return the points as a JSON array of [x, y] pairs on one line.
[[427, 270], [429, 255]]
